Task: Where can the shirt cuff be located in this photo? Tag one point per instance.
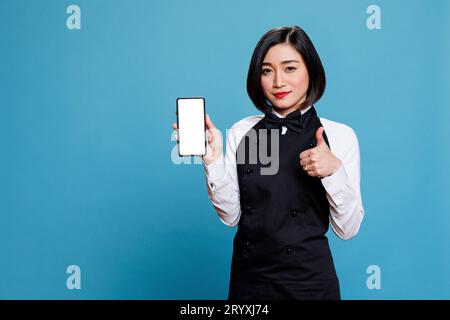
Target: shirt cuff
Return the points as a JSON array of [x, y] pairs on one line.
[[334, 184]]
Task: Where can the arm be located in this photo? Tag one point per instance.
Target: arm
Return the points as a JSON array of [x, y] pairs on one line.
[[222, 183], [343, 190]]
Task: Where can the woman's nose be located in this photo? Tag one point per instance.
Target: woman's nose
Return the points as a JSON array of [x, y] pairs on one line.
[[278, 81]]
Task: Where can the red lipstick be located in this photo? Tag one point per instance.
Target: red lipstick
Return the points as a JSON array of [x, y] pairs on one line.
[[281, 95]]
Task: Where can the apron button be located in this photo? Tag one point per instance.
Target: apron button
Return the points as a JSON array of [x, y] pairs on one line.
[[248, 171], [247, 244], [293, 212], [288, 250]]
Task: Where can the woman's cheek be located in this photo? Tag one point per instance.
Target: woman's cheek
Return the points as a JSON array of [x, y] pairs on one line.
[[266, 88], [302, 82]]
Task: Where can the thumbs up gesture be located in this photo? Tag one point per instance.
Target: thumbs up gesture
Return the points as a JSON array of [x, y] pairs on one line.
[[319, 161]]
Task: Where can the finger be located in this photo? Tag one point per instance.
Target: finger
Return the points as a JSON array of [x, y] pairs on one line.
[[306, 161], [306, 153], [316, 174], [174, 126], [319, 136], [211, 137], [312, 172], [308, 167], [209, 123]]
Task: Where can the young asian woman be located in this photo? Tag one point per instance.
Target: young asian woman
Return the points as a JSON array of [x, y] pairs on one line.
[[280, 250]]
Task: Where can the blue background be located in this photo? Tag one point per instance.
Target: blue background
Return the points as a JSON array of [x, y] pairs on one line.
[[86, 175]]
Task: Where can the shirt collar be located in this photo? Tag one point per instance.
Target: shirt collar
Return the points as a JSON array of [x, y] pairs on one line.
[[280, 116]]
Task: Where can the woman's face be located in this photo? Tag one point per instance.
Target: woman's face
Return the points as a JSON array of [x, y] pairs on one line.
[[284, 70]]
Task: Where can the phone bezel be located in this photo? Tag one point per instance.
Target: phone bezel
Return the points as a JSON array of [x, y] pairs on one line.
[[204, 125]]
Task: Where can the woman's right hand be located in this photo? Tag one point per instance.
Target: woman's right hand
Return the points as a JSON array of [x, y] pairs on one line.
[[214, 146]]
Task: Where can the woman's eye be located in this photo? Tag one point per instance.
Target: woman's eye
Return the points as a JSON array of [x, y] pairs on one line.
[[290, 68], [264, 71]]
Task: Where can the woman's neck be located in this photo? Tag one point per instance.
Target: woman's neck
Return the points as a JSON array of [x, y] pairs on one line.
[[285, 112]]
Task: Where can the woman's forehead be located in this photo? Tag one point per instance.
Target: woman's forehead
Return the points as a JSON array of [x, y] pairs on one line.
[[281, 53]]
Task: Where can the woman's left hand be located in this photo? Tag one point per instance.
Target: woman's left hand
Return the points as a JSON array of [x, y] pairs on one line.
[[319, 161]]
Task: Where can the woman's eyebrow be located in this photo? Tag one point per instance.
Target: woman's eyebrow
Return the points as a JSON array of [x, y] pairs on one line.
[[283, 62]]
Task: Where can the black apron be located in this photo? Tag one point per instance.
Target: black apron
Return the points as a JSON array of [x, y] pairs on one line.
[[280, 250]]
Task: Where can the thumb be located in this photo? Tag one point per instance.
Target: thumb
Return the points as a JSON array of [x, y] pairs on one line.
[[209, 123], [319, 136]]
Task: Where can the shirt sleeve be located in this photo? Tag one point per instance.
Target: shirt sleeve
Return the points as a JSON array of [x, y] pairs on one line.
[[222, 183], [343, 190]]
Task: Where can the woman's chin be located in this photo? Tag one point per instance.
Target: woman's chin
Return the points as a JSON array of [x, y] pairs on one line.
[[283, 106]]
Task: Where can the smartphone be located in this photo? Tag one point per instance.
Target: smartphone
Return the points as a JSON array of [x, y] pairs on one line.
[[191, 126]]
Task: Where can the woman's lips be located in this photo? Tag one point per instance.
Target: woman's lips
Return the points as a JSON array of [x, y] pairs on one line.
[[281, 95]]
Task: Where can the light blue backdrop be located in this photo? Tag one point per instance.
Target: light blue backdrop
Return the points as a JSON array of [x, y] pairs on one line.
[[86, 175]]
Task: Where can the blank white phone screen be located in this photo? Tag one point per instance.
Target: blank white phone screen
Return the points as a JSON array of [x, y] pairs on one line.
[[191, 127]]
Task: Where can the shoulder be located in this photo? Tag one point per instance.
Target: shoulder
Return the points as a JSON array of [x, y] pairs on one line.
[[247, 122], [337, 128], [244, 125], [342, 137]]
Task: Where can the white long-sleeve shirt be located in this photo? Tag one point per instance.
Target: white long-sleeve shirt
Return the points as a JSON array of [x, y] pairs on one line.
[[342, 187]]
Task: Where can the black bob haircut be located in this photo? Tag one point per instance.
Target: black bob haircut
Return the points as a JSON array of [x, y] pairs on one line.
[[296, 37]]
